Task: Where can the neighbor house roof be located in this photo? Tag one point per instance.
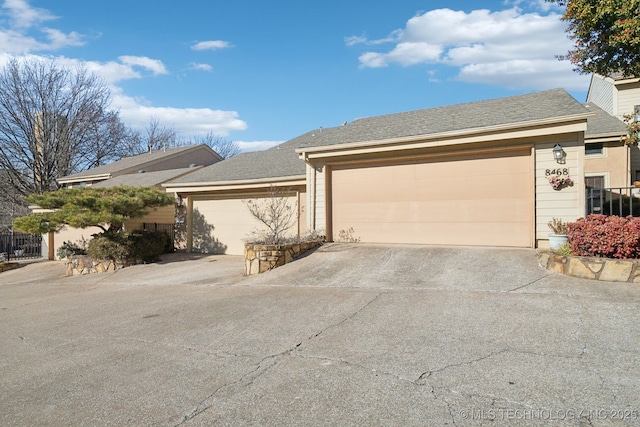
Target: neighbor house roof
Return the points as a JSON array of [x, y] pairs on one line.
[[603, 124], [277, 162], [134, 163], [146, 179], [550, 105]]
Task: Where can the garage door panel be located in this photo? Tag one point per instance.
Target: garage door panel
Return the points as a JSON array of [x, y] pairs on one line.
[[468, 198], [432, 211], [445, 233]]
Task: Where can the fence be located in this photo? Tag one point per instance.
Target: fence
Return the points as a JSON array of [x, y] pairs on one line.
[[20, 246], [621, 201], [165, 228]]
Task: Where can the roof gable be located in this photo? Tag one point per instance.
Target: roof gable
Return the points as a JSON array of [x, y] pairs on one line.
[[134, 163], [276, 162]]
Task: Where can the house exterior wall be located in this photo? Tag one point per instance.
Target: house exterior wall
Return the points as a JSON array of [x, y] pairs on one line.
[[67, 234], [567, 203], [601, 93], [628, 98], [161, 215], [614, 164]]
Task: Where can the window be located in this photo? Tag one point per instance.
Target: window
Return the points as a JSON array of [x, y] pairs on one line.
[[594, 149], [595, 195], [636, 111], [595, 181]]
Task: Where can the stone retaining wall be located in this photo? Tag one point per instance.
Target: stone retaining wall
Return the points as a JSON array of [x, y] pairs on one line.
[[5, 266], [594, 268], [261, 258], [82, 264]]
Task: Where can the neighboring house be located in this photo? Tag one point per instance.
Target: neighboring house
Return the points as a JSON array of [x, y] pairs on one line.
[[171, 158], [148, 169], [610, 163], [217, 219], [468, 174]]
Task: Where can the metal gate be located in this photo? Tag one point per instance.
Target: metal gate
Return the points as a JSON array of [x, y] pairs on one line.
[[20, 246]]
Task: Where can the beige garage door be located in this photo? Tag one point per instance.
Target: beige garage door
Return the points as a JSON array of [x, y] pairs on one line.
[[481, 199], [221, 226]]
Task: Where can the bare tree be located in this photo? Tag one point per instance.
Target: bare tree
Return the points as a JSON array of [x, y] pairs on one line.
[[48, 114], [224, 147], [105, 142], [276, 213], [154, 137]]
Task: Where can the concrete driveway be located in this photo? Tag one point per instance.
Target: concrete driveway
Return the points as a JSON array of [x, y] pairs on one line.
[[350, 335]]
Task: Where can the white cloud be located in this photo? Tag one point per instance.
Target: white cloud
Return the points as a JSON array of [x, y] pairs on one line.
[[200, 67], [153, 65], [24, 16], [257, 145], [24, 33], [188, 121], [507, 47], [211, 45]]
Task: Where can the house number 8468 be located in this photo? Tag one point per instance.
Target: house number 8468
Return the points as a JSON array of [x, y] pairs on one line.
[[563, 171]]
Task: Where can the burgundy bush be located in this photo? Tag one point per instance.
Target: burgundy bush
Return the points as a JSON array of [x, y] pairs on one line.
[[605, 236]]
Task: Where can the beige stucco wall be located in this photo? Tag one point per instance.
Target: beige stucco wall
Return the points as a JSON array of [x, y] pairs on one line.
[[67, 234], [567, 203], [613, 163]]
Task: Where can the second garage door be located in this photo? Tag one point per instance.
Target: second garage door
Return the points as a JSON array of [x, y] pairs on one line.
[[471, 199]]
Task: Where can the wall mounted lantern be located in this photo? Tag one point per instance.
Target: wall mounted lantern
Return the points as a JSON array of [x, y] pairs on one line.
[[559, 154]]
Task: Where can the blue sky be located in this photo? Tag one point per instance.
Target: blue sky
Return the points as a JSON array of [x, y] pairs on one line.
[[260, 72]]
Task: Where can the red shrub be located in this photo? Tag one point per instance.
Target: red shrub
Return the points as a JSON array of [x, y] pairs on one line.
[[605, 236]]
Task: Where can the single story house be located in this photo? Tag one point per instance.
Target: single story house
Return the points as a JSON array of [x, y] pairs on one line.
[[470, 174], [148, 169]]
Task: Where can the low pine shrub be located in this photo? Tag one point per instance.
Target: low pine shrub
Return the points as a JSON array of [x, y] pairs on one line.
[[605, 236], [130, 248], [147, 246], [111, 246]]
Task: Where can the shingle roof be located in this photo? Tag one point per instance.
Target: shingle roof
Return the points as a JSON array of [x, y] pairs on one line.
[[532, 107], [276, 162], [283, 161], [129, 162], [603, 123], [146, 179]]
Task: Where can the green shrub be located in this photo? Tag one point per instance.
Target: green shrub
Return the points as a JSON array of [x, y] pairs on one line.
[[130, 248], [68, 249], [565, 249], [147, 246], [111, 246]]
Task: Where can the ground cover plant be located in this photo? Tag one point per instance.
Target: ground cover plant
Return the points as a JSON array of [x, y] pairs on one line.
[[605, 236]]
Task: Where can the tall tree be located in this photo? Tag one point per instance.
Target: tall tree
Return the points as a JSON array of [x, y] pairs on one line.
[[224, 147], [606, 34], [48, 115]]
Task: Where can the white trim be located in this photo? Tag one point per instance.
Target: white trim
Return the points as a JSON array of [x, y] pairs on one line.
[[606, 175], [197, 187]]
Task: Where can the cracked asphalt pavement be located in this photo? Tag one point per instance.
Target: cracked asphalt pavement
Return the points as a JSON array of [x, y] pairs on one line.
[[352, 334]]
